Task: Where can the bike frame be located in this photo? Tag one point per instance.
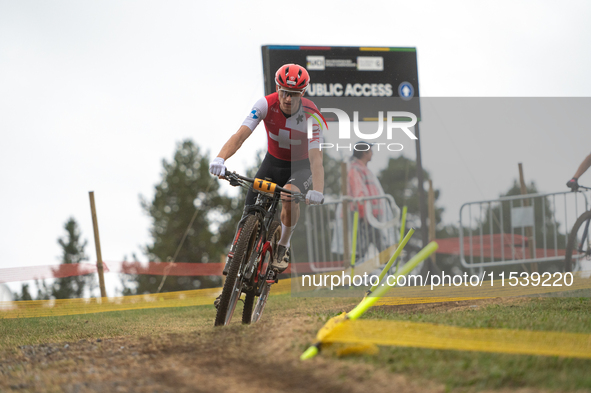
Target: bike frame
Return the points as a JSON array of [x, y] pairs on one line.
[[253, 275]]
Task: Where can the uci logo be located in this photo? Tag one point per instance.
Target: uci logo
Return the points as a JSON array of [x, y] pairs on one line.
[[315, 63]]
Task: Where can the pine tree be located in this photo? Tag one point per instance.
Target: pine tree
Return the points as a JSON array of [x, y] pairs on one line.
[[24, 295], [72, 253], [227, 229], [399, 179], [186, 185]]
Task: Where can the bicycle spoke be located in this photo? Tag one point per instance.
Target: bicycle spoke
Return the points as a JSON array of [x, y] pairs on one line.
[[261, 302], [236, 292]]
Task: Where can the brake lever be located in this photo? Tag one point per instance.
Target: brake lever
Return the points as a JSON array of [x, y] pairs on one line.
[[232, 179]]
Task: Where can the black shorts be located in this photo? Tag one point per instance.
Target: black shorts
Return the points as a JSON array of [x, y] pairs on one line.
[[297, 173]]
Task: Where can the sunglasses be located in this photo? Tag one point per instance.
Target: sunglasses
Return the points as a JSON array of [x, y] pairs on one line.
[[290, 93]]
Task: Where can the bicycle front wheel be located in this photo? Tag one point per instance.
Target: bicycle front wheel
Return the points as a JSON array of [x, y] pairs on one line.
[[234, 280], [578, 248], [250, 315]]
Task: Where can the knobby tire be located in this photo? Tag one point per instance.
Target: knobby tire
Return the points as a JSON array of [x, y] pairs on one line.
[[244, 247], [573, 241]]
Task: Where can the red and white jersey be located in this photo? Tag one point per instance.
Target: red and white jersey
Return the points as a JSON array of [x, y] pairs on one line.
[[287, 138]]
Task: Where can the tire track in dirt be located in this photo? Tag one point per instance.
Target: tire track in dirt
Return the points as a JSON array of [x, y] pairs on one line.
[[258, 358]]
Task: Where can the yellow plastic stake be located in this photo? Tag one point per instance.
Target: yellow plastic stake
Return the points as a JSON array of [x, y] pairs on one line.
[[310, 352], [381, 291], [354, 249], [403, 222], [393, 258], [367, 302], [402, 229]]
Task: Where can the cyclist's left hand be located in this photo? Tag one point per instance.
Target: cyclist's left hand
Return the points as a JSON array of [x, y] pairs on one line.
[[573, 184], [314, 198]]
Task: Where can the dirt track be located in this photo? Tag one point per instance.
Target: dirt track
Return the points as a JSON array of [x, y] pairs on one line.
[[258, 358]]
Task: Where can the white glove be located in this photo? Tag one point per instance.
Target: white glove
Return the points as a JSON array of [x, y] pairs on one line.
[[314, 198], [217, 167]]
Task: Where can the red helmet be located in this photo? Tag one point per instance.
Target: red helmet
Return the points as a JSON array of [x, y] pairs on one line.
[[292, 76]]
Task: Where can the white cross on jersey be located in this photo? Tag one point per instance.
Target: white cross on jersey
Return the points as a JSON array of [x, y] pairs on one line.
[[287, 138], [283, 139]]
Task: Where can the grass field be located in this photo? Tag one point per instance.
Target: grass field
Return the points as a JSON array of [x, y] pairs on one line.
[[177, 349]]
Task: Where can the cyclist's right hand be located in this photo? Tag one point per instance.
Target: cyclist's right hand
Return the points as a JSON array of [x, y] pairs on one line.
[[573, 184], [217, 167], [314, 197]]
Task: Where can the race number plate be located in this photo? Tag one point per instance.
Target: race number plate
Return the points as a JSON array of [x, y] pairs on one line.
[[264, 185]]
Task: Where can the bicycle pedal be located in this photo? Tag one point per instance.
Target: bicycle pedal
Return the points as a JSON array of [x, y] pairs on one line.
[[272, 277]]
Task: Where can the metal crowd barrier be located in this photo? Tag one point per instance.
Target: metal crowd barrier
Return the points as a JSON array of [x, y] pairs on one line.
[[325, 232], [521, 229]]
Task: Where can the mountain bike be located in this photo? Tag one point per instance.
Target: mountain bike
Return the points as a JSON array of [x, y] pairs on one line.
[[252, 251], [578, 246]]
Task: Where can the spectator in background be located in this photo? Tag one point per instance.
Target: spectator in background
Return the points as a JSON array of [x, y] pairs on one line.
[[573, 183], [362, 182]]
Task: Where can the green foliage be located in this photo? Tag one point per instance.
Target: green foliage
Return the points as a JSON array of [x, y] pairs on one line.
[[185, 185], [72, 253], [228, 228], [400, 180], [24, 295], [64, 287]]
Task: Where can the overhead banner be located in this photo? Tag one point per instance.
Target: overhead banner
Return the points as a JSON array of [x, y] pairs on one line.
[[361, 81]]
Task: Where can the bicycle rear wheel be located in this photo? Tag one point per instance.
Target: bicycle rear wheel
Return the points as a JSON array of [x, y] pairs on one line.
[[234, 280], [578, 248], [250, 315]]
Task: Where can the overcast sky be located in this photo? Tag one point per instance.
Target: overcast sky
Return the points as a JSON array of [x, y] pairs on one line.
[[94, 94]]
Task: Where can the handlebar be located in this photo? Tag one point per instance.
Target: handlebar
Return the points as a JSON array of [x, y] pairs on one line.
[[236, 180], [575, 186]]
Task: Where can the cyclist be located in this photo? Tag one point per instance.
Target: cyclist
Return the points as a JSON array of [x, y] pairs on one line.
[[293, 160], [573, 183]]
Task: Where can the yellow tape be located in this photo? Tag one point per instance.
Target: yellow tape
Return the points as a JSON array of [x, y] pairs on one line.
[[59, 307], [329, 325], [367, 302], [427, 335]]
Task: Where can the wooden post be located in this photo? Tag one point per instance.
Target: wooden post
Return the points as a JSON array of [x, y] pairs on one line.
[[345, 210], [431, 211], [528, 230], [97, 243]]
